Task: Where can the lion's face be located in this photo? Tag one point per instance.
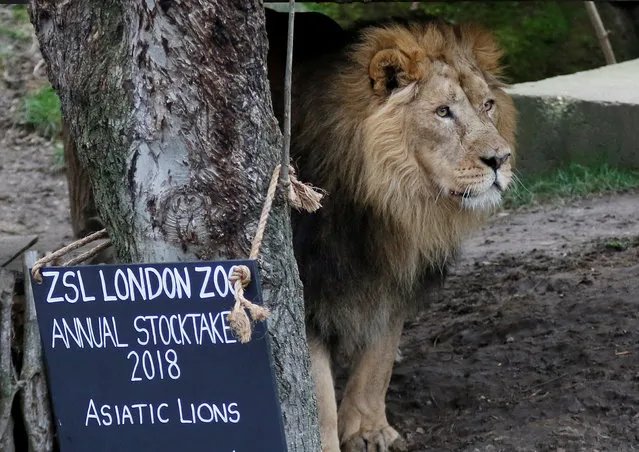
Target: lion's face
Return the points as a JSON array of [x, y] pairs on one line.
[[454, 138], [439, 122]]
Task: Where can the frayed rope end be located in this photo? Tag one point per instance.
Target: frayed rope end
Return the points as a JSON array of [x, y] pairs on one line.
[[258, 313], [304, 196], [240, 323]]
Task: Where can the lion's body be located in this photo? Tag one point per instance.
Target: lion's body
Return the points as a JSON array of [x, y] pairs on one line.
[[358, 268], [404, 185]]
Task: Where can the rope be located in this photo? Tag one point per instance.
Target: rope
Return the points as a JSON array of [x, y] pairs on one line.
[[88, 254], [266, 210], [302, 197], [35, 271]]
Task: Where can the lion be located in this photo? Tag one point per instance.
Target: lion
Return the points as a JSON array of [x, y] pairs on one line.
[[409, 131]]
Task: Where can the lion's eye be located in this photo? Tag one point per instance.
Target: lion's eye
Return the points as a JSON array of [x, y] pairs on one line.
[[443, 111], [489, 104]]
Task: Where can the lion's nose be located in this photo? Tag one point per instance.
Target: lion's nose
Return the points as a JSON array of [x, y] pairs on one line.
[[495, 161]]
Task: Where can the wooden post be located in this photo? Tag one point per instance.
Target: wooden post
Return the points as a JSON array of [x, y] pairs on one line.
[[8, 383], [601, 32], [34, 395]]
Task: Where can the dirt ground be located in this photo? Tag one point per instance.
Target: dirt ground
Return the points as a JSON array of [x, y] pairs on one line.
[[531, 346], [33, 194]]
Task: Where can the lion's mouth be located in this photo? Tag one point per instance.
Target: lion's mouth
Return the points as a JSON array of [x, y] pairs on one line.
[[465, 194], [468, 193], [470, 199]]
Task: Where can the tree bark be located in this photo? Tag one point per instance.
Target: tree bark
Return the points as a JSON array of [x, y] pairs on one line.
[[83, 212], [168, 105]]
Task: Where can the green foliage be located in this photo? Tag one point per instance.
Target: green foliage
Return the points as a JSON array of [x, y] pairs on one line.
[[20, 14], [616, 245], [540, 39], [13, 33], [17, 26], [41, 112], [16, 33], [573, 181]]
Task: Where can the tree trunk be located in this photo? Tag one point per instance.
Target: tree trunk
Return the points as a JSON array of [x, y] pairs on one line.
[[168, 105]]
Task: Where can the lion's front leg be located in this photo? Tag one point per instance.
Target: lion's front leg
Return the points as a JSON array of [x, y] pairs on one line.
[[363, 426], [325, 393]]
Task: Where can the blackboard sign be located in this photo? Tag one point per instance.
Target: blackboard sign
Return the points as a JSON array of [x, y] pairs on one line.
[[141, 358]]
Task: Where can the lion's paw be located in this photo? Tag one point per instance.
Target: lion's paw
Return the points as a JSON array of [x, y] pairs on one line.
[[384, 440]]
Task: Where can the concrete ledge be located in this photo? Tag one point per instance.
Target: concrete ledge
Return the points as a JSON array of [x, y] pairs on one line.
[[590, 117]]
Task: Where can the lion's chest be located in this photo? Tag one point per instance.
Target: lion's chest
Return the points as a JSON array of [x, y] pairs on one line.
[[351, 290]]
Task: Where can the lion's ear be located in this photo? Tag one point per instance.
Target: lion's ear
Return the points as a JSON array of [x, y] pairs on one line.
[[484, 48], [391, 68]]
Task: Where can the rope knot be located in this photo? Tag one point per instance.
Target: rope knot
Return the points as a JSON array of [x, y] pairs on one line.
[[238, 319], [241, 274]]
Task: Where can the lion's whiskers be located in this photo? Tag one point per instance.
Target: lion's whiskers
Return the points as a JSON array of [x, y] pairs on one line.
[[466, 192], [519, 182]]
